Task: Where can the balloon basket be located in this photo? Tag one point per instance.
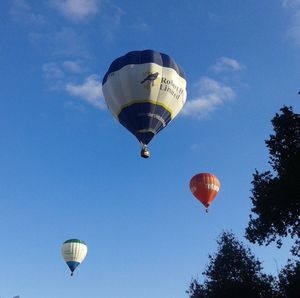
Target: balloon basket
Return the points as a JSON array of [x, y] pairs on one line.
[[145, 153]]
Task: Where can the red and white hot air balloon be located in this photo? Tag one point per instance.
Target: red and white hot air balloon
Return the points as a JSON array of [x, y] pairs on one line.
[[205, 187]]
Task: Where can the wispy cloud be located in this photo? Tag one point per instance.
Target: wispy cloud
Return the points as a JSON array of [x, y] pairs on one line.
[[61, 76], [194, 147], [210, 94], [67, 42], [111, 20], [90, 91], [60, 39], [226, 64], [287, 3], [21, 11], [52, 71], [73, 67], [141, 25], [294, 30], [77, 10], [56, 70], [75, 106]]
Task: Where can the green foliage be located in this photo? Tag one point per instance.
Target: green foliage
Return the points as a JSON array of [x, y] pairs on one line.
[[289, 281], [276, 196], [232, 272]]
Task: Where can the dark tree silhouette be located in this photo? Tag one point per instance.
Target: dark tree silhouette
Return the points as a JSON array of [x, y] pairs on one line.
[[276, 194], [233, 272], [289, 281]]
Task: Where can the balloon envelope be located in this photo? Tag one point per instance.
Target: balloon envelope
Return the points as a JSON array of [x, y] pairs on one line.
[[205, 187], [144, 90], [74, 252]]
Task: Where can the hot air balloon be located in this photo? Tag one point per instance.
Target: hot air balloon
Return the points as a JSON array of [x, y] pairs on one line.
[[144, 90], [74, 252], [205, 187]]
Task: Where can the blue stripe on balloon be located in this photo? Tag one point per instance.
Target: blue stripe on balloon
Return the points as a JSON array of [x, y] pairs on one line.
[[141, 57], [144, 120], [72, 265]]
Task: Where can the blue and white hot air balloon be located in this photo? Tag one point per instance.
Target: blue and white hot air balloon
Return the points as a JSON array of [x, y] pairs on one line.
[[74, 252], [144, 90]]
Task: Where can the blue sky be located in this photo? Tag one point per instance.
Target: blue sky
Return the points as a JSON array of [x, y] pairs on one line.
[[69, 170]]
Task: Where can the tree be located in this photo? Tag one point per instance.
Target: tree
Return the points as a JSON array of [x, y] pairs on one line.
[[289, 280], [232, 272], [276, 195]]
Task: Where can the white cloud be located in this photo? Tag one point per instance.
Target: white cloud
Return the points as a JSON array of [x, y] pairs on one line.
[[90, 91], [286, 3], [210, 95], [67, 42], [194, 147], [294, 31], [52, 71], [83, 10], [225, 64], [111, 20], [72, 66], [21, 11], [71, 105], [55, 70], [141, 25], [77, 10]]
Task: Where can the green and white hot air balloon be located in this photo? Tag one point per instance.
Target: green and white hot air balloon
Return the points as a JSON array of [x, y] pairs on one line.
[[74, 252]]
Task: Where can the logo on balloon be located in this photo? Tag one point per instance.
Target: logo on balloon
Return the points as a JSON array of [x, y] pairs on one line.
[[213, 186], [149, 80]]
